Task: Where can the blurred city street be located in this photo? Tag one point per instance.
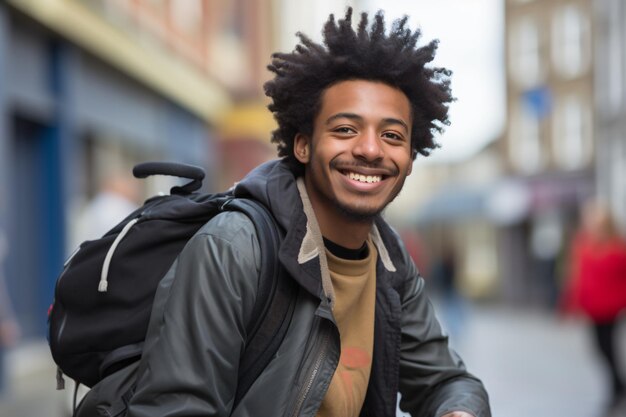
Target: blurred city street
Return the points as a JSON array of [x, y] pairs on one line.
[[494, 218], [532, 364]]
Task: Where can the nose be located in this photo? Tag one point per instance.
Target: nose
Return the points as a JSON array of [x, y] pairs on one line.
[[368, 147]]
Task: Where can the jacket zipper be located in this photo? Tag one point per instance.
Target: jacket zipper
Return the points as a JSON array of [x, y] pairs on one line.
[[316, 367]]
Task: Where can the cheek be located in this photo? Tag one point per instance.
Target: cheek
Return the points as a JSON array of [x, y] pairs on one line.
[[323, 156], [403, 161]]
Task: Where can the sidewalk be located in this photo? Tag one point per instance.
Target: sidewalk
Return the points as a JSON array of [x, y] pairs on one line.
[[534, 364], [32, 385]]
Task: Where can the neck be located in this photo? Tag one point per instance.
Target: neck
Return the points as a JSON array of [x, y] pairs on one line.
[[342, 231]]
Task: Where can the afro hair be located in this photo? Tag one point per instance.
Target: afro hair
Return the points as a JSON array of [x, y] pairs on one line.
[[370, 54]]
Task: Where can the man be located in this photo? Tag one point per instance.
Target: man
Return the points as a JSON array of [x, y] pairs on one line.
[[352, 115]]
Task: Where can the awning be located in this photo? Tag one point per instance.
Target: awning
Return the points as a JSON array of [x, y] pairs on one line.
[[249, 121], [454, 202]]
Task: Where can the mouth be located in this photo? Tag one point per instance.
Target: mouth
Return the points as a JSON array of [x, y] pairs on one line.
[[369, 179]]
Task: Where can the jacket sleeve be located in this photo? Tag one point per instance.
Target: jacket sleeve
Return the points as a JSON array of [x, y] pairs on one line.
[[433, 378], [197, 328]]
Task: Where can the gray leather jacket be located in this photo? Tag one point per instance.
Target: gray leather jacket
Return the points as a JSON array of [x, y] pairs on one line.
[[197, 329]]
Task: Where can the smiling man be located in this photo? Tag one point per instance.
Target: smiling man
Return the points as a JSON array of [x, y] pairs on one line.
[[357, 158], [352, 115]]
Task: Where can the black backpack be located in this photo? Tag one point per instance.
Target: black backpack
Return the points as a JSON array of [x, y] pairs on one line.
[[103, 298]]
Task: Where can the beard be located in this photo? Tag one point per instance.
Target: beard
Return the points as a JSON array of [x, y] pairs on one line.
[[365, 214], [356, 215]]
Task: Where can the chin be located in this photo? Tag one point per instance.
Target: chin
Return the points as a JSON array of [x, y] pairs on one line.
[[358, 214]]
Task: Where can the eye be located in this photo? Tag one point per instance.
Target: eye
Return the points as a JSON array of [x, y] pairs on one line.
[[393, 135], [344, 130]]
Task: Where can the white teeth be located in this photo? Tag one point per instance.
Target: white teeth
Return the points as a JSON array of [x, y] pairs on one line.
[[364, 178]]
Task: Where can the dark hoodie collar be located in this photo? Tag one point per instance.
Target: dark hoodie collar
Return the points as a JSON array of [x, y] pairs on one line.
[[273, 185]]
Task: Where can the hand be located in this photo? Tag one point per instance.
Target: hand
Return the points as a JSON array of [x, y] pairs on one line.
[[458, 414]]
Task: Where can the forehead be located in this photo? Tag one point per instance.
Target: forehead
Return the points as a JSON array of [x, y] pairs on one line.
[[366, 98]]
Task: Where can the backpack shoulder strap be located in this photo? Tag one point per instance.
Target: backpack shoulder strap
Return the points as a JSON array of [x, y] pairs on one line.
[[275, 300]]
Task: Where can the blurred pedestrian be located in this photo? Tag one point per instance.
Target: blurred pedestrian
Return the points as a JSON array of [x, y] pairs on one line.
[[9, 329], [597, 284], [117, 198], [415, 248], [444, 275]]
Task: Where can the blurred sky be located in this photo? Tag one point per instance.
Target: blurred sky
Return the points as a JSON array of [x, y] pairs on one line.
[[471, 45], [471, 38]]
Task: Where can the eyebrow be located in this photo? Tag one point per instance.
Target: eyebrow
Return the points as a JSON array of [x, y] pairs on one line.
[[353, 116]]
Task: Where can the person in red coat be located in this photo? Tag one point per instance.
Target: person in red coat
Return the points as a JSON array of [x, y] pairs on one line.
[[598, 283]]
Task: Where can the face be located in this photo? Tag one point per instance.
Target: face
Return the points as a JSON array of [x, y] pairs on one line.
[[597, 220], [360, 151]]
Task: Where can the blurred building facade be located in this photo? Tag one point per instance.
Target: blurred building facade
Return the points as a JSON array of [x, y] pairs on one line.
[[91, 87], [455, 217], [549, 148], [610, 99]]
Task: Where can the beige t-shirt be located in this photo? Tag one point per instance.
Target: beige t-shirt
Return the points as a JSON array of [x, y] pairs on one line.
[[354, 283]]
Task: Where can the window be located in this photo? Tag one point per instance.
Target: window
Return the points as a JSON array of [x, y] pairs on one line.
[[157, 4], [615, 59], [571, 135], [525, 53], [570, 41], [525, 150], [618, 178], [187, 16]]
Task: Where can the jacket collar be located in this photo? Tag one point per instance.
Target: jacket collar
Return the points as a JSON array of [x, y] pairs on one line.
[[312, 245]]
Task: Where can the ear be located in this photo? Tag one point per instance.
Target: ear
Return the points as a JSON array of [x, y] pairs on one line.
[[413, 155], [301, 148]]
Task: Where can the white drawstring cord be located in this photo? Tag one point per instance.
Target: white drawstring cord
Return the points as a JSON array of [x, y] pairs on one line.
[[103, 284]]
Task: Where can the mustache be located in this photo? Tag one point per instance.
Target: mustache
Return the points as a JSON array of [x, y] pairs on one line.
[[347, 165]]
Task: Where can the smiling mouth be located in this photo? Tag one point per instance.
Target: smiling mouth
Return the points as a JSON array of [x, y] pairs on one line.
[[370, 179]]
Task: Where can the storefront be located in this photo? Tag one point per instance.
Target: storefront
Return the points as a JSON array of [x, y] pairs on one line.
[[533, 240], [68, 119]]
